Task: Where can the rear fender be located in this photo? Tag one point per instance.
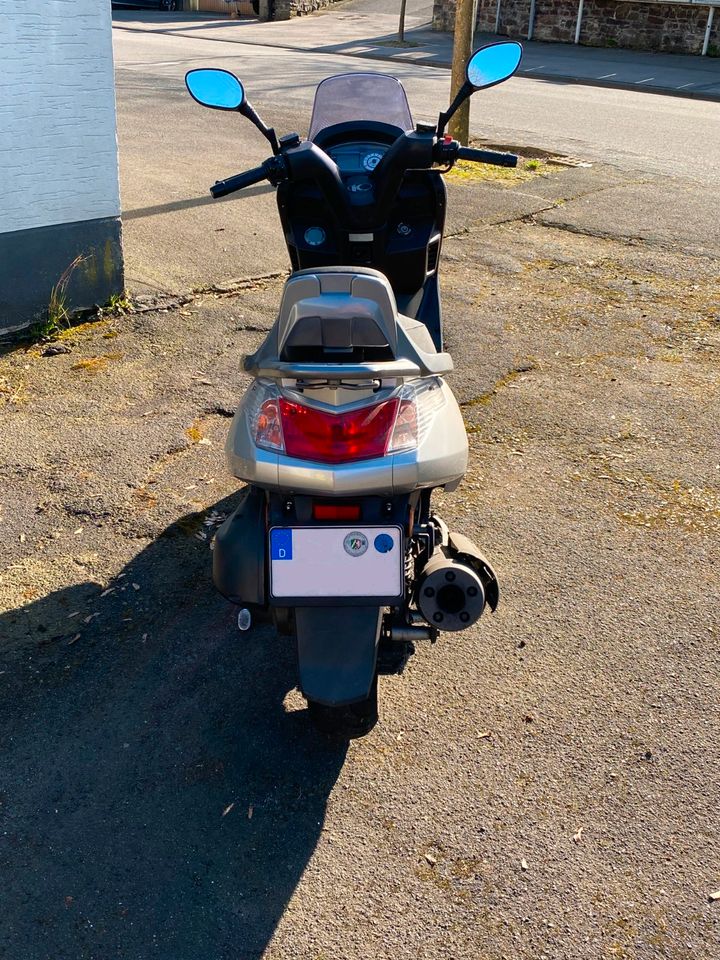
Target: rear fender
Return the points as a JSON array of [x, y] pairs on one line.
[[337, 652]]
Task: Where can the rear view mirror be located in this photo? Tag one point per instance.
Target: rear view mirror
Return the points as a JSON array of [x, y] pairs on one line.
[[218, 89], [487, 66], [493, 64]]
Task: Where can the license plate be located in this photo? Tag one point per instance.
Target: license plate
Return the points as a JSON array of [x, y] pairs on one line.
[[317, 563]]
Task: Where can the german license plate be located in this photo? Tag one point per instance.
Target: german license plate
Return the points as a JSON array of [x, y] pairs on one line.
[[316, 563]]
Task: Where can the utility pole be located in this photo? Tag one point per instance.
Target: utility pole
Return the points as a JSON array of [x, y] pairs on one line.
[[403, 4], [462, 48]]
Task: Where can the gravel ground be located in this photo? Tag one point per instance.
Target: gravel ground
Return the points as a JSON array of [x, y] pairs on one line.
[[543, 786]]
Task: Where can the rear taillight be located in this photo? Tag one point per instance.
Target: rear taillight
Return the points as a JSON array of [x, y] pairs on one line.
[[312, 434], [306, 432]]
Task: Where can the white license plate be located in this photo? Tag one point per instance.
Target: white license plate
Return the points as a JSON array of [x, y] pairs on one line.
[[336, 562]]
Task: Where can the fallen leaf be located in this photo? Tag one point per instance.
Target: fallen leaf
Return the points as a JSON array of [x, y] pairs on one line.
[[577, 837]]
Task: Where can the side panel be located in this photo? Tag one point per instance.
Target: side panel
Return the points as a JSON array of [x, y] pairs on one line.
[[337, 652], [239, 552]]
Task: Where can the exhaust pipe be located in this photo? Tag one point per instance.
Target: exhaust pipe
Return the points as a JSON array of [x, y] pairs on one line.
[[455, 583], [450, 595]]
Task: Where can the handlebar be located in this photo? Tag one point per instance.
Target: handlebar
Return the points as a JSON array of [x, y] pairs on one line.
[[487, 156], [411, 151], [223, 187]]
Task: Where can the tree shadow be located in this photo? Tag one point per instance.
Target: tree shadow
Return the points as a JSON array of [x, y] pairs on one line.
[[157, 799]]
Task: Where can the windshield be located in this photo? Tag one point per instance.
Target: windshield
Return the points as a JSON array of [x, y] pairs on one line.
[[360, 96]]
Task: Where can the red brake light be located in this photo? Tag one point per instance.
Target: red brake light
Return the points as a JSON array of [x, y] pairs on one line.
[[336, 438], [336, 511]]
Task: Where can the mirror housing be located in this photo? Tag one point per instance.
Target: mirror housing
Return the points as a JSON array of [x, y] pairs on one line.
[[221, 90], [489, 65]]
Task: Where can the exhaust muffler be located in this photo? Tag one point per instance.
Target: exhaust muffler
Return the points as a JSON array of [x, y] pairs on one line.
[[455, 584], [450, 595]]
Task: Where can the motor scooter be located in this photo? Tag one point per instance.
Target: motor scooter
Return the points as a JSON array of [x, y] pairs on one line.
[[349, 424]]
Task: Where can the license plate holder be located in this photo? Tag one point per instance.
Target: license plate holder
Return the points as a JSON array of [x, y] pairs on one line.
[[332, 565]]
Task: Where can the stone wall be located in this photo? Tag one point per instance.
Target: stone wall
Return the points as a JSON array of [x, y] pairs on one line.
[[638, 25], [285, 9]]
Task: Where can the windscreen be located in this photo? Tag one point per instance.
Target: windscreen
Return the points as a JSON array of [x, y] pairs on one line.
[[360, 96]]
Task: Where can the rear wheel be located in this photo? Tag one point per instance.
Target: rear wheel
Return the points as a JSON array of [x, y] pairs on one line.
[[347, 722]]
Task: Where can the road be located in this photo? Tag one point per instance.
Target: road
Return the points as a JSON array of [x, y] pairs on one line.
[[542, 786], [650, 132]]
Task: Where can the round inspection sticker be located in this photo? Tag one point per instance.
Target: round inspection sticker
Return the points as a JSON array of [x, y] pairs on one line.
[[384, 543], [355, 544]]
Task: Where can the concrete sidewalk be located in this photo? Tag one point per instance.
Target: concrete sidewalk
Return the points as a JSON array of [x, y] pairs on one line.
[[375, 37]]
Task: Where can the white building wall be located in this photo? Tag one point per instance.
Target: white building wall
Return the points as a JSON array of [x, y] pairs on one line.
[[58, 143]]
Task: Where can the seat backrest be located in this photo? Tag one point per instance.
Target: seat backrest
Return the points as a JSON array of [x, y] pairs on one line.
[[342, 323], [337, 312]]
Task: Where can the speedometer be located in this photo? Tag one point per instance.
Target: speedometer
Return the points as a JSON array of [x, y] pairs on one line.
[[371, 160]]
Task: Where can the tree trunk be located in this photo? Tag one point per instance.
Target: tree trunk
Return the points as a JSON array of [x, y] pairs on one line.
[[462, 47]]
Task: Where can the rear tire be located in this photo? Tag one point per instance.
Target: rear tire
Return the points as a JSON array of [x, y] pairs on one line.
[[347, 722]]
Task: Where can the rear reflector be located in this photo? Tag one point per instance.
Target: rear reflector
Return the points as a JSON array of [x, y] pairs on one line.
[[336, 511]]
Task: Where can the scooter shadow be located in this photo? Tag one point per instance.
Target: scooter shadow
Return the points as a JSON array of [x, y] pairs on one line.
[[158, 799]]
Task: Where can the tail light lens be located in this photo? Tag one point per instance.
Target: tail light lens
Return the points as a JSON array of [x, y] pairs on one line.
[[312, 434], [405, 431], [309, 433]]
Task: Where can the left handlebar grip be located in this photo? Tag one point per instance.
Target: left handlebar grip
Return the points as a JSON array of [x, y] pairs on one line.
[[223, 187]]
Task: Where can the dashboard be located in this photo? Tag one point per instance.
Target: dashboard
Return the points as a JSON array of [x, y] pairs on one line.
[[357, 158]]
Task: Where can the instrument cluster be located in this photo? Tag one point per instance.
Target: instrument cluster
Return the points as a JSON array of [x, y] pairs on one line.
[[358, 158]]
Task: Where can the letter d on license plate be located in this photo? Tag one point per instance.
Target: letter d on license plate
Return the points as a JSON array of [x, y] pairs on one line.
[[317, 563]]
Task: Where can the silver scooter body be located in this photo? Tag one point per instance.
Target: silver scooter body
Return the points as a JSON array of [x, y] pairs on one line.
[[342, 306]]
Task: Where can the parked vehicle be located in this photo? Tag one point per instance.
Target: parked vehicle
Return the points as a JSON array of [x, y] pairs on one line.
[[349, 424]]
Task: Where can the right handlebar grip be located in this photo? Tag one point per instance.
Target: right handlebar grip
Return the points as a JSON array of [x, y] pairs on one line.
[[488, 156], [223, 187]]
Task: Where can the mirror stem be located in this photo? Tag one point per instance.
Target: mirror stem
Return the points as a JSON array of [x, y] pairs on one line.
[[465, 91], [248, 111]]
